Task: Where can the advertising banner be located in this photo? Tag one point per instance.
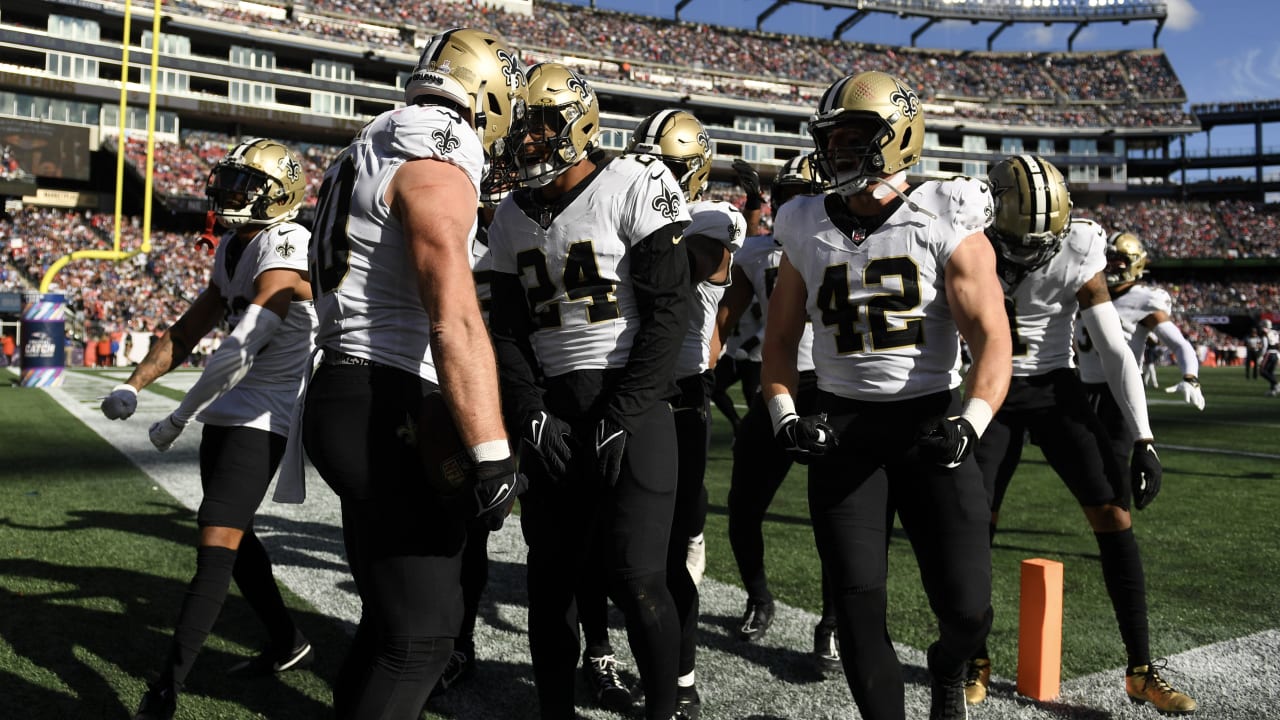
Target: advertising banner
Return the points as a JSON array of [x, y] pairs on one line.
[[44, 340]]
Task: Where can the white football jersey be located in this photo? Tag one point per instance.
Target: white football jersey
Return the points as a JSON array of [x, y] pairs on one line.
[[1134, 305], [367, 291], [1044, 303], [748, 337], [695, 349], [482, 270], [759, 259], [882, 327], [264, 399], [576, 271]]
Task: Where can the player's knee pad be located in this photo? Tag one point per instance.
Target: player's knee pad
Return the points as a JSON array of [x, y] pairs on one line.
[[641, 590]]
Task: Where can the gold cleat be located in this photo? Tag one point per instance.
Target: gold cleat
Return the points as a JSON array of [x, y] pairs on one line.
[[1144, 685], [977, 678]]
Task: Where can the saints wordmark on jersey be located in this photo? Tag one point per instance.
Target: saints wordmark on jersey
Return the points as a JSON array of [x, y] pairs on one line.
[[1042, 307], [1133, 306], [264, 399], [759, 259], [882, 327], [366, 290], [576, 270]]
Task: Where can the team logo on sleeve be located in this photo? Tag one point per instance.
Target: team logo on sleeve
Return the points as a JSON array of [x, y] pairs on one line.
[[668, 204], [446, 141], [285, 250]]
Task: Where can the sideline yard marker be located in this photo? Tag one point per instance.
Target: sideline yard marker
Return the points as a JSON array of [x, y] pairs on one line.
[[1040, 629]]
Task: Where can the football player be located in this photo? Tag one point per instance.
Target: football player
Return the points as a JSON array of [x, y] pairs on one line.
[[245, 398], [1144, 311], [760, 465], [887, 272], [1050, 267], [1270, 357], [407, 365], [590, 303]]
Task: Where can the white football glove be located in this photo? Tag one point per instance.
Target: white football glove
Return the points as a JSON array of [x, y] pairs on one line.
[[166, 431], [1190, 389], [121, 403]]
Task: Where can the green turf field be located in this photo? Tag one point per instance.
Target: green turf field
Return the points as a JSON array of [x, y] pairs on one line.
[[94, 559]]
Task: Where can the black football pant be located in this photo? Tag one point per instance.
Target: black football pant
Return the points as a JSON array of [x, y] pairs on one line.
[[692, 411], [403, 543], [571, 524], [945, 514], [759, 467]]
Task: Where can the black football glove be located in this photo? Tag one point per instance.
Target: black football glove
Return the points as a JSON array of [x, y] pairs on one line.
[[1145, 473], [748, 177], [949, 442], [548, 436], [494, 487], [805, 438], [611, 443]]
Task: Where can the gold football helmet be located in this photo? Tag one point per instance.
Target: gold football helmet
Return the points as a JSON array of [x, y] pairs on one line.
[[867, 126], [563, 123], [797, 176], [480, 74], [260, 182], [1033, 210], [1126, 259], [679, 140]]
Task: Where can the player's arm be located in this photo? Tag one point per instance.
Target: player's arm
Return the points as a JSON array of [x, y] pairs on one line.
[[1118, 363], [734, 302], [1162, 326], [660, 278], [977, 306], [749, 181], [511, 323], [802, 437], [436, 206]]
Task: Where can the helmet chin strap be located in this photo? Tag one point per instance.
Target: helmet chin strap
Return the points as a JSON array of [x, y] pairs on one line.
[[889, 186]]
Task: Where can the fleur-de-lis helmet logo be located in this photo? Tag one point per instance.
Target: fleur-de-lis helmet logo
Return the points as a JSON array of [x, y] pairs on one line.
[[668, 203], [906, 100], [290, 167], [511, 69], [446, 141], [579, 86]]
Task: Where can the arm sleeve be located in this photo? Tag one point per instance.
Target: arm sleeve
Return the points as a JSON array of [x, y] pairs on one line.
[[511, 326], [1119, 365], [231, 362], [1172, 337], [660, 276]]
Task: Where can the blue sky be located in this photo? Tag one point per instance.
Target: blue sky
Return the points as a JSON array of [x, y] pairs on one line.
[[1223, 50]]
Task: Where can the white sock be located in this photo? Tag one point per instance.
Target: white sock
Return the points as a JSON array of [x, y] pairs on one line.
[[685, 680]]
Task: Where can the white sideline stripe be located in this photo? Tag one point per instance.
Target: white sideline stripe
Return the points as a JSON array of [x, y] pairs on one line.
[[1233, 679]]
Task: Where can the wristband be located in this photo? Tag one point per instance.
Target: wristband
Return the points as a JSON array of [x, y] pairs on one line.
[[978, 412], [781, 409], [489, 451]]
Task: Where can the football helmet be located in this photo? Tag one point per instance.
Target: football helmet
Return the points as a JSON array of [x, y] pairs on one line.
[[1126, 259], [1032, 210], [563, 123], [260, 182], [797, 176], [678, 139], [480, 74], [867, 126]]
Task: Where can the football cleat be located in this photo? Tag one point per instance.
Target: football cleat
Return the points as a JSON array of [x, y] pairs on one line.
[[947, 701], [688, 704], [977, 680], [270, 663], [826, 647], [696, 558], [159, 703], [607, 687], [756, 620], [1144, 685]]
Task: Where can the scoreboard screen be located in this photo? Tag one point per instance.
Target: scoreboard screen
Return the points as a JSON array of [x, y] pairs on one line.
[[32, 148]]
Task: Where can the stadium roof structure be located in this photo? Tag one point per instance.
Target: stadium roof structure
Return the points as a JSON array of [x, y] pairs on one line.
[[1004, 13]]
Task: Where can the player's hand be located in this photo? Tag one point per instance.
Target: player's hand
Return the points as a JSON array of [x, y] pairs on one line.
[[1189, 387], [164, 432], [611, 443], [548, 437], [805, 438], [1145, 473], [949, 442], [495, 484], [748, 177], [121, 403]]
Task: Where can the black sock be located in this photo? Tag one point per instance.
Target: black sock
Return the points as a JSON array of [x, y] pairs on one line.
[[200, 608], [252, 574], [1122, 573]]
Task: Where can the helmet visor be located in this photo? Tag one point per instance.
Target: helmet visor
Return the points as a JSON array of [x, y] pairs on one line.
[[233, 187]]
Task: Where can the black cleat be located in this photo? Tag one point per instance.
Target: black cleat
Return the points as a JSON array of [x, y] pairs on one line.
[[460, 666], [159, 703], [756, 620], [826, 648], [947, 701], [607, 687], [270, 662], [688, 704]]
